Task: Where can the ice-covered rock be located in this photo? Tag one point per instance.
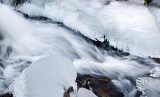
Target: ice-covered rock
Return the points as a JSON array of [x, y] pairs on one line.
[[47, 77]]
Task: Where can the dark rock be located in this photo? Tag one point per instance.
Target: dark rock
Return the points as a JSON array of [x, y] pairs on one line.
[[146, 2], [101, 86], [6, 95], [105, 45], [17, 2], [157, 60], [1, 36], [68, 91], [8, 51]]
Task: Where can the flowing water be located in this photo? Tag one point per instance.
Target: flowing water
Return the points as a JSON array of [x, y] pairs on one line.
[[39, 28]]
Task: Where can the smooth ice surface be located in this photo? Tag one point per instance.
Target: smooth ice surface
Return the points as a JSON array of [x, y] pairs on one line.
[[82, 92], [129, 26], [35, 81]]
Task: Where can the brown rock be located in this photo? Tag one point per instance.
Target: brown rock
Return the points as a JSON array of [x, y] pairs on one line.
[[68, 91], [101, 86]]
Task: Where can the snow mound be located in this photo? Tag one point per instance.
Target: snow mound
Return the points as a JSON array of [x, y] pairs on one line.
[[47, 77]]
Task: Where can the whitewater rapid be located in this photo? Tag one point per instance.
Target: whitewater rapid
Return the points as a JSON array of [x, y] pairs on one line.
[[66, 30]]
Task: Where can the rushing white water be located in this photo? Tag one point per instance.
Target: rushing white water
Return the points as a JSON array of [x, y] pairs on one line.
[[26, 40]]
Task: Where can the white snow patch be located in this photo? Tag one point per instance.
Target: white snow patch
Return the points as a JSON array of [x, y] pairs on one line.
[[82, 92], [47, 77]]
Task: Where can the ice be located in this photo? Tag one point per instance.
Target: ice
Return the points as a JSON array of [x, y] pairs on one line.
[[59, 74], [35, 81], [155, 72], [129, 26], [30, 40], [82, 92], [148, 86], [70, 16], [156, 12]]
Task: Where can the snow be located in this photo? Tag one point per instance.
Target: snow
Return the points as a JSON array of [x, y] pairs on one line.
[[129, 26], [82, 92], [47, 77], [148, 86], [33, 39]]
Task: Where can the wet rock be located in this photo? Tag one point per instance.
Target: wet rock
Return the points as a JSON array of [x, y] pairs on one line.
[[146, 2], [105, 45], [1, 36], [6, 95], [13, 2], [16, 2], [68, 91], [157, 60], [101, 86]]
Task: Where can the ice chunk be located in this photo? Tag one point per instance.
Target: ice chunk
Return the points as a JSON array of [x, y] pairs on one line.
[[47, 77], [70, 16], [82, 92], [132, 28]]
